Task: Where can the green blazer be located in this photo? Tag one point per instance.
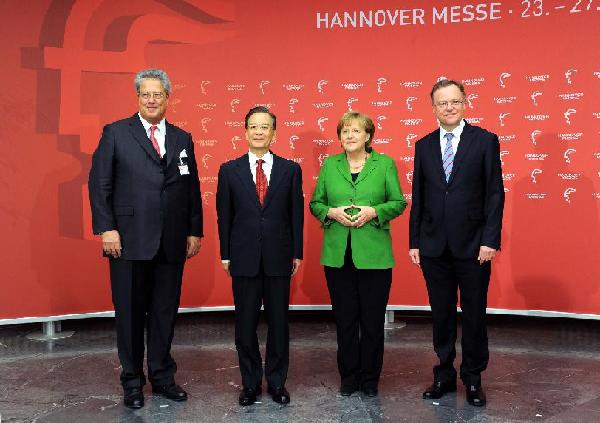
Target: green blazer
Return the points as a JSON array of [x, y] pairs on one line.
[[377, 186]]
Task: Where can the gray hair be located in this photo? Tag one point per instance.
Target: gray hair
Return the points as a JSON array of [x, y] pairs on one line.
[[159, 74]]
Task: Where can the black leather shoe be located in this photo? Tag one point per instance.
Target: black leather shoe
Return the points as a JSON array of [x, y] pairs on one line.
[[346, 391], [439, 389], [280, 395], [173, 392], [370, 392], [133, 397], [475, 395], [248, 396]]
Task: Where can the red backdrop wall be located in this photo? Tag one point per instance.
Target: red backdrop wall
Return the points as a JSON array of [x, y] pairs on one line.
[[531, 70]]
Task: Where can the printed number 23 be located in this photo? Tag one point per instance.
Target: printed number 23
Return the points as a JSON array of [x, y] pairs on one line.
[[537, 8]]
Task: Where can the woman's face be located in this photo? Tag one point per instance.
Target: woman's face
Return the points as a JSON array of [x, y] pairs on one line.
[[353, 137]]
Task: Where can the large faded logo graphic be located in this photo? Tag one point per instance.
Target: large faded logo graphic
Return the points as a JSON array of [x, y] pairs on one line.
[[66, 53]]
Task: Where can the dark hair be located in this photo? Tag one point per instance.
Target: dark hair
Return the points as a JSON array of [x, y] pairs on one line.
[[364, 120], [446, 83], [260, 109]]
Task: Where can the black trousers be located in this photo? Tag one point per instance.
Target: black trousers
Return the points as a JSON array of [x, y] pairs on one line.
[[444, 275], [359, 298], [145, 294], [248, 296]]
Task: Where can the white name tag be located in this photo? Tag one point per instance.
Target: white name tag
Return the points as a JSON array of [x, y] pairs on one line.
[[183, 170]]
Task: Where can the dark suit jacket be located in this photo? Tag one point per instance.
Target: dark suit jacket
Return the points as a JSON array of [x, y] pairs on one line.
[[143, 197], [250, 233], [466, 212]]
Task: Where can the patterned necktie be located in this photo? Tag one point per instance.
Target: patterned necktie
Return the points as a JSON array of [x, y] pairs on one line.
[[261, 182], [153, 139], [448, 157]]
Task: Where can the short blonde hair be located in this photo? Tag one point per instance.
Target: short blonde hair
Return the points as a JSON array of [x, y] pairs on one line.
[[363, 119]]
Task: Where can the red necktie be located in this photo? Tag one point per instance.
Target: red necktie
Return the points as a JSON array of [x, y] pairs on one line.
[[153, 139], [261, 182]]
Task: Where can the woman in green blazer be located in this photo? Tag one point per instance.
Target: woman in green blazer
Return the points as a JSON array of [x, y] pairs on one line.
[[356, 197]]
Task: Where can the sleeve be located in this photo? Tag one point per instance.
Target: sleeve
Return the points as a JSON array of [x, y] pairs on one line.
[[394, 203], [319, 204], [195, 198], [494, 196], [100, 183], [297, 212], [416, 208], [224, 212]]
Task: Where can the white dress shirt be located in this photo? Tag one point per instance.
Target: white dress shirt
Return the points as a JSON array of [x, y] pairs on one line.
[[159, 133], [456, 132], [266, 166]]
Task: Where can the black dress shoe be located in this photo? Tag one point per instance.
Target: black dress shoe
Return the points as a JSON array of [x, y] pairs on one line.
[[248, 396], [280, 395], [133, 397], [173, 392], [346, 391], [438, 389], [475, 395], [370, 392]]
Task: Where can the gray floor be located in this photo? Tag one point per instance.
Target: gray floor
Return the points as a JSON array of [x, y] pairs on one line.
[[540, 370]]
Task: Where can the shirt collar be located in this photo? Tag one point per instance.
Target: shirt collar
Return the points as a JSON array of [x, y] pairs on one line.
[[268, 158], [456, 131], [147, 125]]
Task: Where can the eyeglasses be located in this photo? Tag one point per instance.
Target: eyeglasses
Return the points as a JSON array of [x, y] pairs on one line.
[[451, 103], [254, 127], [155, 96]]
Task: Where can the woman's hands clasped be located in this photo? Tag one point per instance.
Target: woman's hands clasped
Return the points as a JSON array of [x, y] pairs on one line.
[[341, 215]]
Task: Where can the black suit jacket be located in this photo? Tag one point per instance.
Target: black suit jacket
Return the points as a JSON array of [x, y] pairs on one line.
[[145, 198], [466, 212], [250, 233]]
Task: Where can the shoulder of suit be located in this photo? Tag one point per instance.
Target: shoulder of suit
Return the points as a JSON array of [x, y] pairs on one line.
[[288, 162], [334, 158], [479, 131], [230, 163], [125, 122], [382, 157], [177, 129]]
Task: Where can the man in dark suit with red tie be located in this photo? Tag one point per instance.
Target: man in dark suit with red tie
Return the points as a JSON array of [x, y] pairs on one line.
[[146, 206], [260, 209], [455, 225]]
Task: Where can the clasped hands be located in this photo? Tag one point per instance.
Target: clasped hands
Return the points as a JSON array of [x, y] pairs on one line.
[[341, 215]]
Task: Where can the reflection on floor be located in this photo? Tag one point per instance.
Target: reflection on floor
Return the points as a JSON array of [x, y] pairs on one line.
[[540, 370]]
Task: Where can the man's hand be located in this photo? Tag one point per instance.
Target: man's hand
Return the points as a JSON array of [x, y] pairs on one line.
[[111, 243], [364, 215], [413, 253], [296, 265], [339, 215], [486, 254], [225, 265], [193, 246]]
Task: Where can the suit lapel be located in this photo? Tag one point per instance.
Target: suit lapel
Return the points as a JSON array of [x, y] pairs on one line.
[[170, 143], [466, 141], [242, 169], [370, 166], [278, 172], [139, 134], [343, 167], [436, 153]]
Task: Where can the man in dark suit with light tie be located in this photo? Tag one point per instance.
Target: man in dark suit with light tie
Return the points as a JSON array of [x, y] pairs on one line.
[[260, 209], [146, 206], [455, 225]]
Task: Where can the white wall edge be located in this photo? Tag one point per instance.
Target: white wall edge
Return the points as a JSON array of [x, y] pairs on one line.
[[532, 313]]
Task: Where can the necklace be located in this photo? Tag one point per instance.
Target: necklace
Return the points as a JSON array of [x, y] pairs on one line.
[[357, 167]]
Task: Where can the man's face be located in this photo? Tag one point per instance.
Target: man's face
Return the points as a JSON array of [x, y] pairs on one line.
[[152, 100], [449, 106], [260, 132]]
